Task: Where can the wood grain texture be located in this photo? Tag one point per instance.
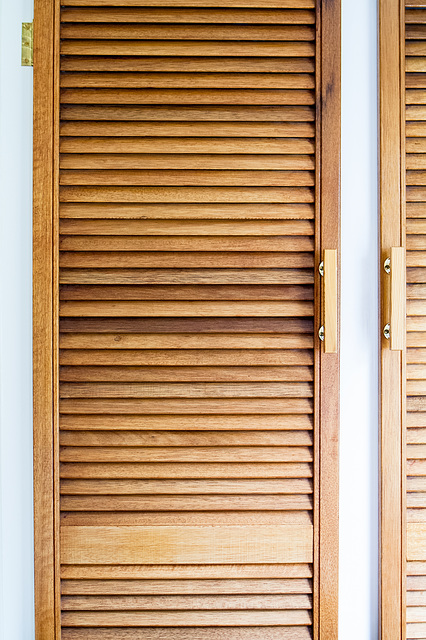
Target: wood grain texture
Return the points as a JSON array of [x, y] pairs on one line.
[[190, 227], [398, 297], [190, 383], [166, 588], [43, 300], [166, 504], [185, 518], [196, 633], [186, 487], [160, 14], [192, 63], [181, 162], [415, 500], [129, 31], [330, 300], [172, 438], [179, 325], [163, 470], [185, 572], [220, 178], [325, 609], [252, 113], [179, 81], [172, 619], [175, 144], [257, 4], [184, 603], [188, 292], [186, 423], [186, 48], [149, 545], [280, 211], [392, 208], [184, 309]]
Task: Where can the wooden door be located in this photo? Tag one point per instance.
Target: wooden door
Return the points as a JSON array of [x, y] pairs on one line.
[[186, 177], [403, 239]]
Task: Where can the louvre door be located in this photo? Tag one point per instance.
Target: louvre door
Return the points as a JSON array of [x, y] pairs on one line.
[[403, 36], [416, 312], [189, 185]]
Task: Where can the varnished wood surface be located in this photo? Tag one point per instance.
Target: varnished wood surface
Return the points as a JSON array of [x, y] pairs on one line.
[[327, 364], [392, 211], [398, 298], [45, 579], [171, 169], [330, 300], [196, 633], [172, 545], [182, 573], [160, 14], [189, 227], [415, 502]]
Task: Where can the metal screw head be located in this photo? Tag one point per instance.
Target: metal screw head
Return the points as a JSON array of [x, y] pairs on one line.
[[387, 265], [321, 333], [321, 268], [386, 331]]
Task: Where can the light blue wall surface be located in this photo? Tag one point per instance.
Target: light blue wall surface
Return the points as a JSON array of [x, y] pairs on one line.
[[359, 429], [359, 348], [16, 546]]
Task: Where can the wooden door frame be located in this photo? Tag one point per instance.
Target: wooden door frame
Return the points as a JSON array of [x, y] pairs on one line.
[[392, 363], [45, 331]]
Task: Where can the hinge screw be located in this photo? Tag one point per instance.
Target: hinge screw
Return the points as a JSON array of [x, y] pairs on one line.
[[321, 268], [321, 333], [387, 265], [386, 331]]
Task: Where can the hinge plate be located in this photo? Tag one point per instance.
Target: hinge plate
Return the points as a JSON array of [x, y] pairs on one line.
[[27, 44]]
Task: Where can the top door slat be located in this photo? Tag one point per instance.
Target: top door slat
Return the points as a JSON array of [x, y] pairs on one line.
[[208, 15], [257, 4]]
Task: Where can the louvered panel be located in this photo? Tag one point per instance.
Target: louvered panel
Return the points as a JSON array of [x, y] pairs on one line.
[[186, 304], [416, 310]]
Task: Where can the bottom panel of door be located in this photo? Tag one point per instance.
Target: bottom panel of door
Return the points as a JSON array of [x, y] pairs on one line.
[[190, 583]]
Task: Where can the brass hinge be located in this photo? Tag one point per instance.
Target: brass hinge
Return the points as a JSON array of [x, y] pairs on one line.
[[27, 44]]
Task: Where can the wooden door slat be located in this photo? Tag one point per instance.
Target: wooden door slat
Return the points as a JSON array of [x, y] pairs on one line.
[[194, 292], [188, 145], [258, 4], [170, 587], [206, 15], [192, 48], [182, 341], [182, 243], [188, 423], [188, 633], [141, 603], [192, 63], [182, 163], [81, 545], [193, 113], [183, 178], [172, 32], [187, 81]]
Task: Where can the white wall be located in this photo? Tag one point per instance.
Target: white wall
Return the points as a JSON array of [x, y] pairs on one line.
[[359, 429], [359, 348], [16, 546]]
